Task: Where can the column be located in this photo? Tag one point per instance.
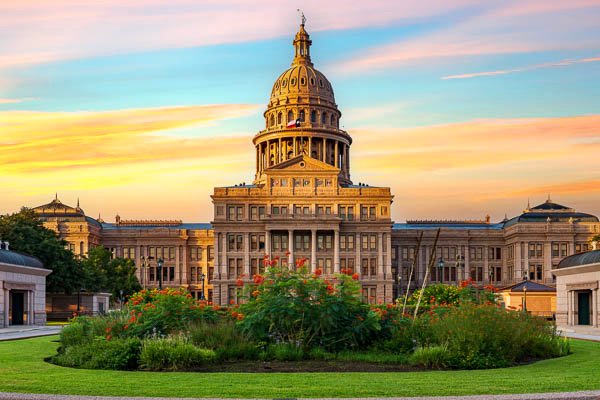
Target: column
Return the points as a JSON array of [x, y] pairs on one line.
[[178, 271], [486, 264], [313, 250], [224, 264], [217, 258], [380, 266], [517, 273], [323, 149], [310, 146], [347, 151], [388, 257], [291, 249], [268, 242], [525, 261], [247, 254], [337, 162], [357, 262], [184, 265], [279, 158], [294, 149], [268, 151], [336, 251], [547, 266], [6, 309]]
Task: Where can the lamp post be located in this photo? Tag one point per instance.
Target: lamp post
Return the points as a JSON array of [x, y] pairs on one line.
[[490, 275], [399, 281], [144, 267], [121, 297], [441, 264], [202, 277], [159, 267]]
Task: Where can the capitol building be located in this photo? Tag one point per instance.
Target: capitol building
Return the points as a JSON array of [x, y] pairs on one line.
[[303, 204]]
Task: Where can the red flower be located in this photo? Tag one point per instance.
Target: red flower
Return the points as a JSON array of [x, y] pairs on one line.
[[258, 279], [240, 316], [108, 337], [232, 302], [355, 276], [239, 283], [107, 330], [318, 272], [287, 253]]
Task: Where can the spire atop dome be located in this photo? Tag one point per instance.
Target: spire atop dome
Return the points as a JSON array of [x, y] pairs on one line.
[[302, 44]]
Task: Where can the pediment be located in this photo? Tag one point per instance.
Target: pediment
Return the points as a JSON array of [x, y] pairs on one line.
[[303, 163]]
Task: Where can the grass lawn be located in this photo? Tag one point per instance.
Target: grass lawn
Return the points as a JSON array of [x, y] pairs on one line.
[[22, 369]]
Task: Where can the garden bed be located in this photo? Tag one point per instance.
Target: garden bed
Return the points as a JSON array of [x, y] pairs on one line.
[[295, 321]]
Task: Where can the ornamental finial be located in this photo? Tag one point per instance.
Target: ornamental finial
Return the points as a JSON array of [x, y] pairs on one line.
[[302, 17]]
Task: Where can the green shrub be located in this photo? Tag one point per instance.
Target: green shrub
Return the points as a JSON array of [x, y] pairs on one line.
[[433, 357], [225, 338], [119, 354], [302, 309], [480, 336], [166, 311], [283, 352], [173, 354]]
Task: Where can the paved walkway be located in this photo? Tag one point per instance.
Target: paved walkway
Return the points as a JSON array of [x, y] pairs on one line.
[[28, 331], [586, 395]]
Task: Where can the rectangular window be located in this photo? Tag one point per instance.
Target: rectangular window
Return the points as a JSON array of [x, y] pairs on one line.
[[563, 249], [230, 242], [555, 251], [328, 266], [364, 213], [239, 239], [372, 213], [171, 253], [211, 253], [240, 213], [373, 242], [254, 213], [231, 213], [365, 242]]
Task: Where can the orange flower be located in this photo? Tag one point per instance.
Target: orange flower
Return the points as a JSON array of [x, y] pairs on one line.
[[239, 283], [108, 337], [255, 293], [318, 272], [107, 330], [258, 279], [232, 302], [355, 276], [240, 316]]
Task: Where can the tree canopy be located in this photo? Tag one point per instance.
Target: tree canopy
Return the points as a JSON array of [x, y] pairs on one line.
[[102, 273], [27, 235]]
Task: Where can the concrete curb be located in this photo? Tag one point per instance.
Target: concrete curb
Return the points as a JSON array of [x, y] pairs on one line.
[[583, 395]]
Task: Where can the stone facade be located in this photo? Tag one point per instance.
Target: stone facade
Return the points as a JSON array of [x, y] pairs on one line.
[[578, 293], [22, 290], [303, 204]]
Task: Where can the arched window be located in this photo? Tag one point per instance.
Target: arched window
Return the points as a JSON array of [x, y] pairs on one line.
[[323, 118], [332, 120], [313, 117], [272, 120], [301, 116], [290, 116], [279, 117]]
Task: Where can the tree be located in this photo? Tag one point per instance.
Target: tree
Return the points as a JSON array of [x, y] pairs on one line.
[[26, 234], [112, 275]]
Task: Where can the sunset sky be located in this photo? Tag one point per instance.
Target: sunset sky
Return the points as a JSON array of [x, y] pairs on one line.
[[464, 108]]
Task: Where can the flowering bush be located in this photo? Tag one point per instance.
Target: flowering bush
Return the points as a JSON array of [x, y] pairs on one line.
[[450, 295], [165, 311], [301, 309]]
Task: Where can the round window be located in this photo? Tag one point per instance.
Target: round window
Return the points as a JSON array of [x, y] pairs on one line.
[[302, 164]]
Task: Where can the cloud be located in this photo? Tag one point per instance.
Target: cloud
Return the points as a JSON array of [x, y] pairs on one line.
[[42, 142], [502, 28], [562, 63], [47, 30], [10, 101]]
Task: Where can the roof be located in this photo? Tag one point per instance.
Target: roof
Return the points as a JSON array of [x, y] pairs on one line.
[[16, 258], [184, 225], [531, 287], [589, 257], [551, 212], [55, 208], [448, 225]]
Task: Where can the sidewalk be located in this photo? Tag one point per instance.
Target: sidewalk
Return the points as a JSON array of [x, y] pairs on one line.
[[28, 331]]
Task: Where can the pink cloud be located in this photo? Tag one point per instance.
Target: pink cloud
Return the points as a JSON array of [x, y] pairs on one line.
[[35, 31], [562, 63]]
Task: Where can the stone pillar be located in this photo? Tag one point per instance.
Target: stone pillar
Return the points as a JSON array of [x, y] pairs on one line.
[[547, 266], [517, 273], [224, 263], [217, 259], [268, 148], [357, 262], [594, 301], [525, 262], [310, 146], [388, 258], [313, 250], [279, 158], [336, 162], [247, 254], [336, 251], [291, 249], [380, 265], [323, 149], [184, 265], [486, 264], [294, 149], [6, 308], [177, 266], [268, 242]]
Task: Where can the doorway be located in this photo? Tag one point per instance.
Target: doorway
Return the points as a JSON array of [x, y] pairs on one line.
[[17, 307], [583, 307]]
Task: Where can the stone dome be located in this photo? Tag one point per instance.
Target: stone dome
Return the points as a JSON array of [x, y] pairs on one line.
[[302, 80]]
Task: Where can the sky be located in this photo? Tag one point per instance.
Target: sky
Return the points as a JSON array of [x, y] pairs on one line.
[[464, 108]]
